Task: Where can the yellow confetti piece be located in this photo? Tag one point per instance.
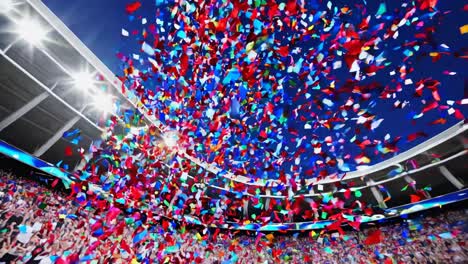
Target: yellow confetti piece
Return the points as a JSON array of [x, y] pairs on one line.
[[270, 237], [249, 46], [464, 29], [365, 160]]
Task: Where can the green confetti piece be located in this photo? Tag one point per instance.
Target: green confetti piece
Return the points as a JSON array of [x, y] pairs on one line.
[[324, 215], [382, 9], [129, 220]]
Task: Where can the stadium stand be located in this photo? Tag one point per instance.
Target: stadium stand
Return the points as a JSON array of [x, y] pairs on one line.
[[40, 225]]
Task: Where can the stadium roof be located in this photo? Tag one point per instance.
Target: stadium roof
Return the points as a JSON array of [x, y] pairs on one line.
[[41, 99]]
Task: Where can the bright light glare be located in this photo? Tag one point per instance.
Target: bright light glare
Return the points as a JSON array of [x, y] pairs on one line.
[[31, 31], [6, 6], [103, 102], [137, 130], [83, 81], [171, 138]]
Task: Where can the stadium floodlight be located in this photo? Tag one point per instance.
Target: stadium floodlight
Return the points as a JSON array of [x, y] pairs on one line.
[[103, 102], [83, 80], [6, 6], [171, 138], [31, 30]]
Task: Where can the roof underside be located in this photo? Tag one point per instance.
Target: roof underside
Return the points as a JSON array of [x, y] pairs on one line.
[[41, 76]]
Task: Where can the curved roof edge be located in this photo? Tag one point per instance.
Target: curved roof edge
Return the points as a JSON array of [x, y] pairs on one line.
[[447, 134]]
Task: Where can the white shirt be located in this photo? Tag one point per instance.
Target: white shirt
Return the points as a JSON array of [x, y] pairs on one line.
[[44, 259], [26, 236]]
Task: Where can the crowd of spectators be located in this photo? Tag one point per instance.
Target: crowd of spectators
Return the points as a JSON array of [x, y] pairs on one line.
[[41, 225]]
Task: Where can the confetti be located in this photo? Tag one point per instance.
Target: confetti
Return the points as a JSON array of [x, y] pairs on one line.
[[277, 94]]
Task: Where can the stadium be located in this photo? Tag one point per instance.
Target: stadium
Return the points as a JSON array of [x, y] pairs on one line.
[[234, 132]]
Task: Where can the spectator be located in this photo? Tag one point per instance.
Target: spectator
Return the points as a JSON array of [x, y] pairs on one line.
[[38, 225]]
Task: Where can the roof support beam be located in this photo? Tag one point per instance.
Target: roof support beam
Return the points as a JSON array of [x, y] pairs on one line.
[[450, 177], [43, 86], [290, 192], [46, 146], [412, 183], [267, 202], [245, 207], [23, 110], [377, 194]]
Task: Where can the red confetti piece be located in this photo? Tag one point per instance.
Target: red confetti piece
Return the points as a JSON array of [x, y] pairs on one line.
[[132, 7], [68, 151]]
